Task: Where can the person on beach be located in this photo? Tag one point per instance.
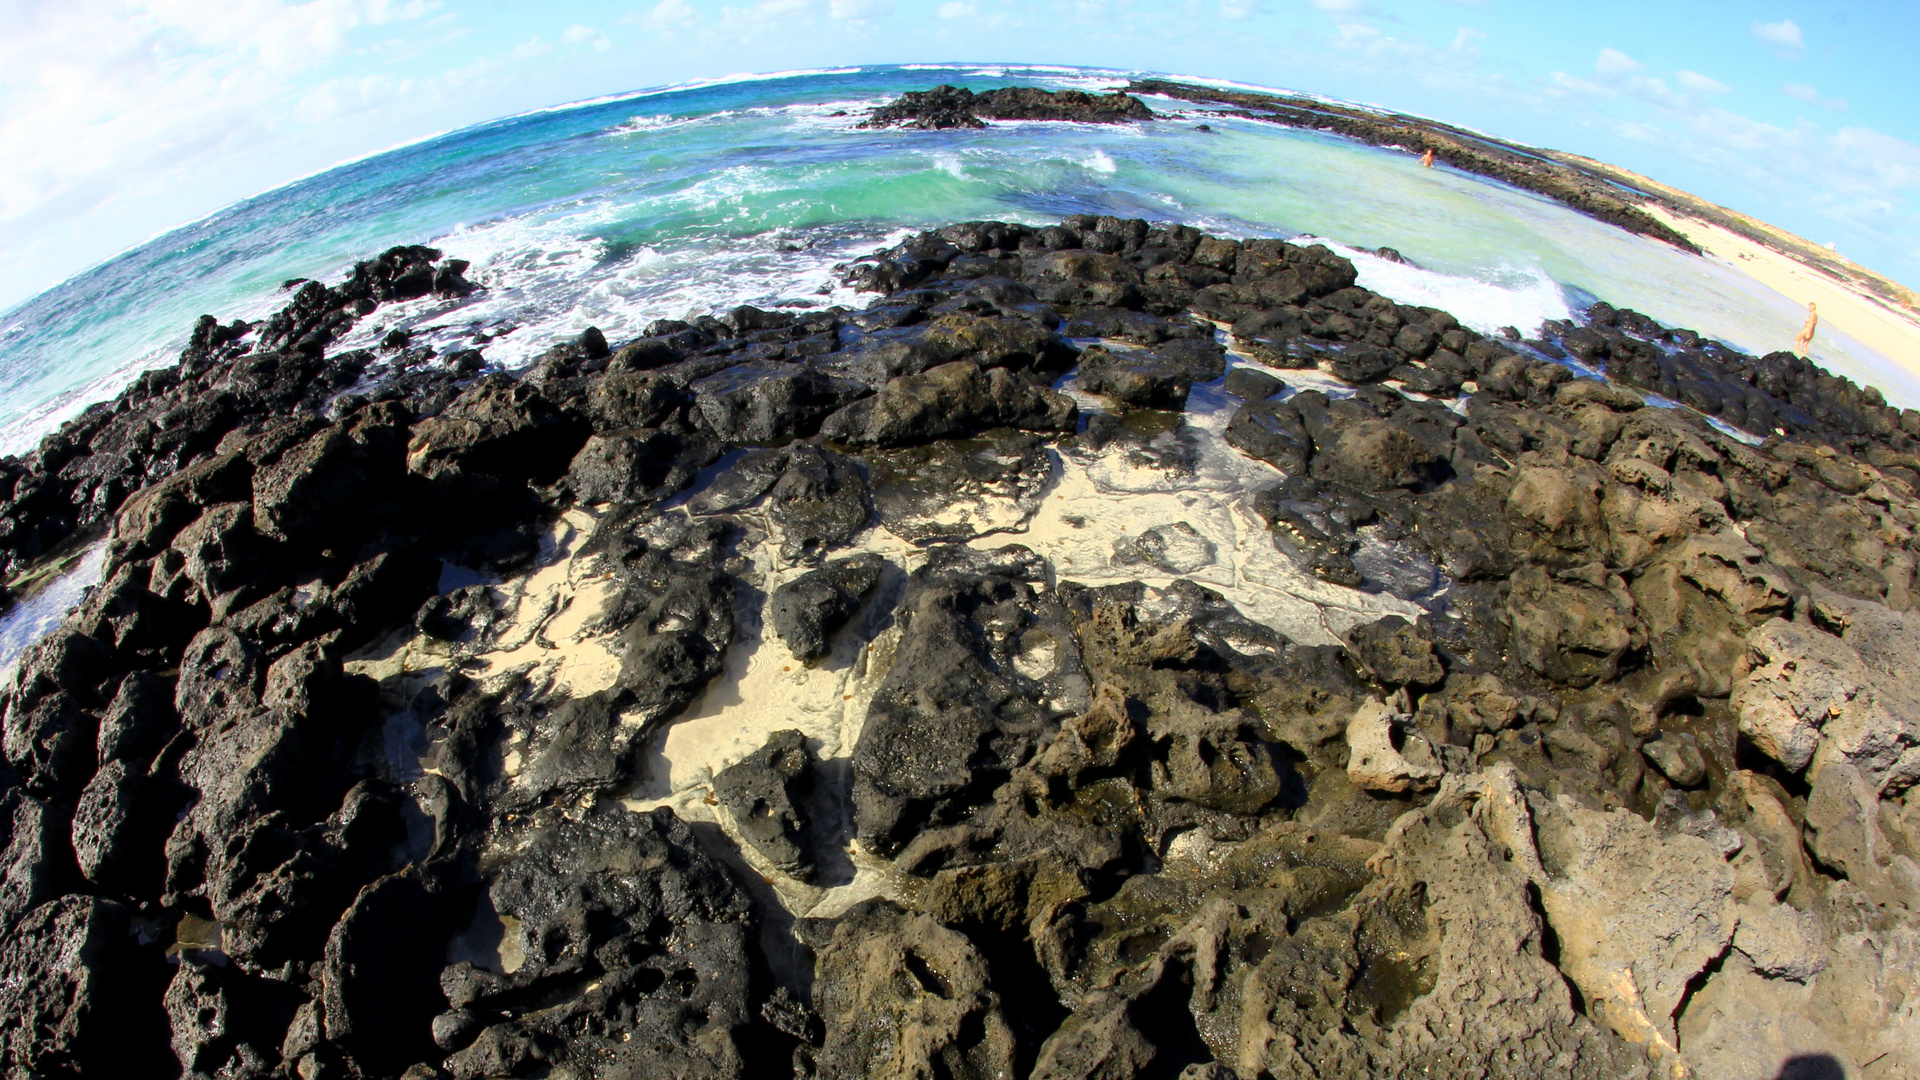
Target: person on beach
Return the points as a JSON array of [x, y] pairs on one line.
[[1427, 158], [1805, 339]]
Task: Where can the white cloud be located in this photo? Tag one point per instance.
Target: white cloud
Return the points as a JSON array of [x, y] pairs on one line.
[[1701, 84], [1587, 87], [1803, 92], [665, 16], [1237, 9], [958, 9], [96, 95], [859, 10], [1341, 7], [578, 34], [1614, 63], [1784, 36], [1467, 42]]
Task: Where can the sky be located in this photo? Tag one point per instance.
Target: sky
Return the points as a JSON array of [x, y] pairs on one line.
[[120, 121]]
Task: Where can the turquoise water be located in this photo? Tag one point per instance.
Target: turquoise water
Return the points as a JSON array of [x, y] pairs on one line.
[[666, 202]]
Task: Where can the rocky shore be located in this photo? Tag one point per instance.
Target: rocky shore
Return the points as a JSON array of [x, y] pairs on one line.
[[1115, 651]]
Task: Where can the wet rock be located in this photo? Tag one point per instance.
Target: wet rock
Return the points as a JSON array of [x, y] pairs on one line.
[[766, 793], [1362, 364], [1251, 385], [1677, 755], [770, 402], [1273, 432], [1309, 527], [1175, 548], [956, 490], [1157, 377], [952, 400], [821, 501], [809, 610], [1398, 652], [636, 465]]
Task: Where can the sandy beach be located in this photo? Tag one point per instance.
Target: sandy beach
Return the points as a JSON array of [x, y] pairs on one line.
[[1849, 308]]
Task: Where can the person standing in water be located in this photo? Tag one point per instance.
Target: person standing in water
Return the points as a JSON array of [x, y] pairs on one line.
[[1427, 158], [1805, 339]]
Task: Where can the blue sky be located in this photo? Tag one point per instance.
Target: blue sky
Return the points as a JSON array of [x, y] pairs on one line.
[[119, 121]]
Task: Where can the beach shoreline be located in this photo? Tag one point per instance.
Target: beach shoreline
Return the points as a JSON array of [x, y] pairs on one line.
[[1866, 306]]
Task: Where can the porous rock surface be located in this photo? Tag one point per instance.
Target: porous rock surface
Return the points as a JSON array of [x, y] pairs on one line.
[[339, 771]]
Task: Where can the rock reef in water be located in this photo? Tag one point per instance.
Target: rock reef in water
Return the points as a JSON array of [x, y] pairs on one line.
[[957, 107], [351, 765]]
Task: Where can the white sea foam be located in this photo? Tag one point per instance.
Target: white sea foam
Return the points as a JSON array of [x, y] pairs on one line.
[[1099, 161], [1520, 298], [949, 163], [662, 122], [549, 284]]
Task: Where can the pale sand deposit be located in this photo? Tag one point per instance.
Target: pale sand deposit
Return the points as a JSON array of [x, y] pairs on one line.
[[1869, 319]]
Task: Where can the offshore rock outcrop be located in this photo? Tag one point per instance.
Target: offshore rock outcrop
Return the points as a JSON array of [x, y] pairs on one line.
[[412, 731], [957, 107]]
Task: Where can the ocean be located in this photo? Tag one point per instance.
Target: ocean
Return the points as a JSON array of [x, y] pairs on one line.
[[685, 199]]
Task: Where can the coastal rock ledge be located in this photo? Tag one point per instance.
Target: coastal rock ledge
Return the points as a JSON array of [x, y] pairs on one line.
[[1016, 677]]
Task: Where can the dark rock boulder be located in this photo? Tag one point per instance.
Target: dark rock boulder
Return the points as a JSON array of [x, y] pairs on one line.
[[38, 864], [767, 794], [1155, 378], [120, 828], [770, 402], [648, 931], [820, 502], [1398, 653], [378, 975], [956, 399], [1249, 384], [809, 610], [957, 107], [498, 433], [81, 997], [636, 465], [338, 485], [1273, 432], [985, 666]]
